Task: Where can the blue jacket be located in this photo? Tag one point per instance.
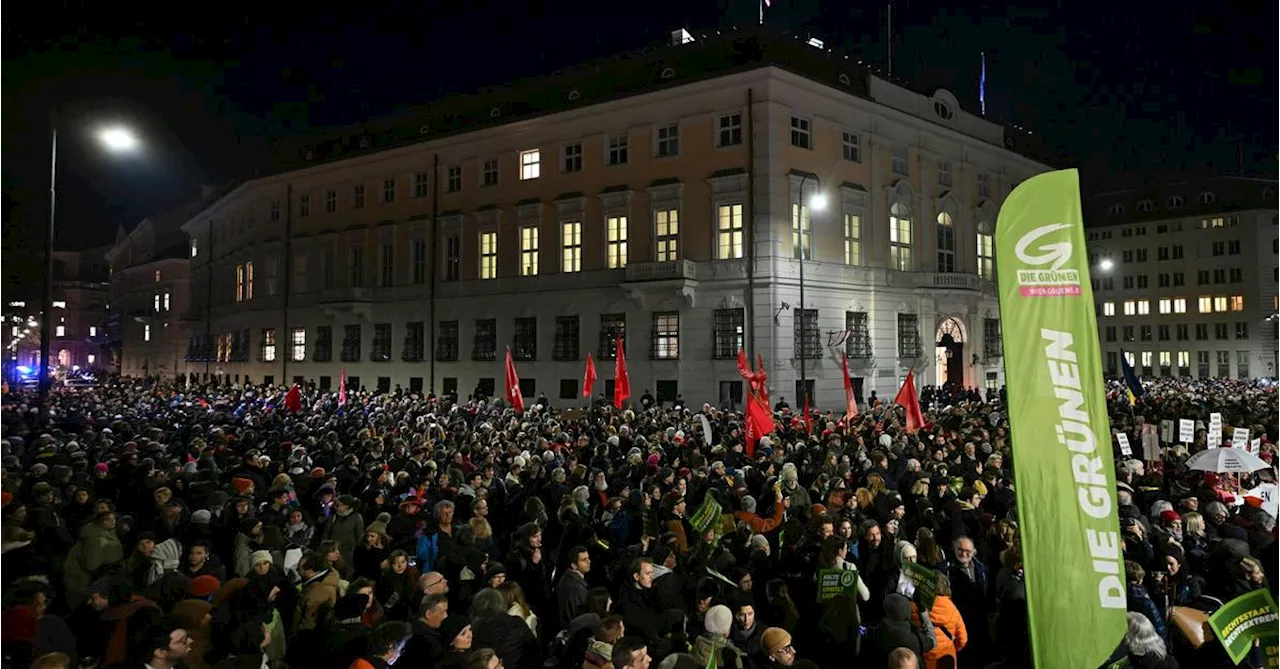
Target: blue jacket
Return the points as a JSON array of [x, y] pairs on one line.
[[1140, 602]]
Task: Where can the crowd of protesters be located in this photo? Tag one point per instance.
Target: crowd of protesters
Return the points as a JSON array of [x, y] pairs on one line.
[[214, 526]]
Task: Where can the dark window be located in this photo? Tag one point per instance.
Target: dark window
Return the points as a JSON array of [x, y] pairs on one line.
[[414, 341], [729, 333], [384, 384], [1145, 332], [566, 343], [447, 341], [612, 328], [449, 386], [730, 393], [485, 343], [908, 336], [668, 390], [323, 349], [857, 343], [351, 343], [1220, 331], [1110, 331], [568, 389], [1163, 332], [529, 389], [1202, 331], [1242, 330], [326, 382], [415, 384], [485, 386], [806, 343], [240, 346], [268, 380], [804, 388], [1183, 332], [386, 266], [381, 350], [524, 342], [452, 258], [993, 347]]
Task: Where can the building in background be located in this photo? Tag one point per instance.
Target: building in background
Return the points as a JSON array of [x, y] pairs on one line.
[[668, 197], [80, 295], [1185, 277], [149, 294]]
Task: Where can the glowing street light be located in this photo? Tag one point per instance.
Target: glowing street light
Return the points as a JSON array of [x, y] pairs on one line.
[[118, 139], [1106, 264], [818, 201]]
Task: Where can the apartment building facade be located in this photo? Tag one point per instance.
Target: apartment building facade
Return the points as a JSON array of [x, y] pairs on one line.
[[682, 215], [1185, 278], [149, 294]]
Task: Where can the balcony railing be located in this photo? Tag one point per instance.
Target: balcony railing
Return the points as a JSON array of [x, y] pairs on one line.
[[661, 271], [949, 281]]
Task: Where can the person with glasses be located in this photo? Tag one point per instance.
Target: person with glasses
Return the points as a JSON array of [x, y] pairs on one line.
[[167, 644], [776, 644]]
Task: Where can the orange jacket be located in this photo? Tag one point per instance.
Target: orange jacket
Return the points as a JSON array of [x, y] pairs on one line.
[[943, 615], [762, 525]]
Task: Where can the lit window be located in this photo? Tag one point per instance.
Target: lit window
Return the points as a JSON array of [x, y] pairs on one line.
[[156, 302], [571, 246], [239, 283], [61, 330], [900, 237], [59, 304], [146, 333], [1166, 306], [1180, 305], [1205, 304], [92, 358], [1184, 359], [852, 239], [1146, 358], [1165, 358], [530, 164], [195, 248], [667, 227], [1237, 302], [986, 253], [529, 250], [729, 231], [1108, 308], [1130, 308], [298, 344], [93, 331], [488, 255], [616, 255], [666, 335], [166, 301], [269, 345], [801, 232], [1220, 304], [248, 281]]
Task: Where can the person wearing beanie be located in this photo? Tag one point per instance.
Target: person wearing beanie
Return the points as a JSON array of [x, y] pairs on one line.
[[896, 631], [242, 486], [204, 587], [776, 645], [715, 640]]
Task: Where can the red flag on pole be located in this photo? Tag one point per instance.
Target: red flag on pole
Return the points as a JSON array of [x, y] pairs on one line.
[[850, 402], [759, 417], [589, 379], [293, 399], [808, 417], [342, 388], [621, 382], [514, 397], [909, 400]]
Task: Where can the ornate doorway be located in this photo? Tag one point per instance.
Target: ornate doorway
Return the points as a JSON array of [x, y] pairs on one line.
[[949, 352]]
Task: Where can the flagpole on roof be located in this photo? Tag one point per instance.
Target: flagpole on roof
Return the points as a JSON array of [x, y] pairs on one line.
[[982, 85]]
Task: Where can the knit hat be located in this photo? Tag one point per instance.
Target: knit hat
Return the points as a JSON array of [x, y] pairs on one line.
[[1168, 516], [204, 586], [774, 639], [718, 621], [241, 486], [258, 557], [896, 607], [101, 468], [201, 517]]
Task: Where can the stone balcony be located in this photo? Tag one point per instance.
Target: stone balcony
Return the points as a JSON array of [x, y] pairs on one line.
[[671, 270]]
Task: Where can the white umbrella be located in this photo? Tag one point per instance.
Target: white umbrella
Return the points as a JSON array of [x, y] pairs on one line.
[[1226, 460]]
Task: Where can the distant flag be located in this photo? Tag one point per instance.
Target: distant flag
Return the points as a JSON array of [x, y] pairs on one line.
[[850, 403], [589, 378], [342, 388], [909, 400], [515, 398], [1132, 386], [621, 380], [982, 85]]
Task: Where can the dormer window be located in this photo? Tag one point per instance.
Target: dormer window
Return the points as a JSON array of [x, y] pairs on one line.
[[1116, 209], [943, 110]]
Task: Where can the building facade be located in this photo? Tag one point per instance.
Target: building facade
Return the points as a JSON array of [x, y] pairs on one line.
[[149, 294], [1185, 277], [673, 199]]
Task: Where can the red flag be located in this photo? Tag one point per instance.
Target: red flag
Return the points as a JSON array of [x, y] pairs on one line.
[[293, 399], [759, 417], [589, 379], [850, 402], [808, 418], [908, 400], [621, 382], [514, 398], [342, 388]]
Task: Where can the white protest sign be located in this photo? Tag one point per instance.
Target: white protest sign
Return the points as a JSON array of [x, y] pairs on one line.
[[1267, 493], [1166, 431], [1240, 437], [1255, 446], [1186, 430], [1125, 450], [1215, 430]]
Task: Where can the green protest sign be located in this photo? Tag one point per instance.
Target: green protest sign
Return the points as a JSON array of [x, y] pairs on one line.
[[924, 582], [707, 515], [835, 582], [1245, 619]]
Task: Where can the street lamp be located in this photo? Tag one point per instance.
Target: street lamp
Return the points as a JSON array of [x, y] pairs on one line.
[[1106, 264], [815, 202], [116, 139]]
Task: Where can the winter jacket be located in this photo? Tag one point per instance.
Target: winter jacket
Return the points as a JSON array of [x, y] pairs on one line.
[[319, 594], [348, 531], [948, 629], [97, 549], [1140, 602], [510, 638]]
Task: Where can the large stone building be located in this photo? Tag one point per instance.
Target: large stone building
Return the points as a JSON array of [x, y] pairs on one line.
[[80, 292], [150, 293], [663, 197], [1185, 277]]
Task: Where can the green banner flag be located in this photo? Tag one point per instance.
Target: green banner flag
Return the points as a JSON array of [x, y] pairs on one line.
[[706, 515], [924, 584], [1068, 529], [1241, 621]]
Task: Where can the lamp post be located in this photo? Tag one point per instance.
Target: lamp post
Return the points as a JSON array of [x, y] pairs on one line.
[[817, 202], [116, 140]]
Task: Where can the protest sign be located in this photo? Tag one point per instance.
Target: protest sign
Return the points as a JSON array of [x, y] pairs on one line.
[[707, 515], [835, 582], [1214, 438], [1166, 431], [1240, 437], [1243, 620], [1125, 449], [923, 582], [1186, 430]]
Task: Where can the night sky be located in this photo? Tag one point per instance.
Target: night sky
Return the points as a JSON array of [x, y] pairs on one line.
[[1152, 91]]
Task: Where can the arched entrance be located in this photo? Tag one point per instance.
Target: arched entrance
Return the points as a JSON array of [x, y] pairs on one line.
[[949, 353]]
